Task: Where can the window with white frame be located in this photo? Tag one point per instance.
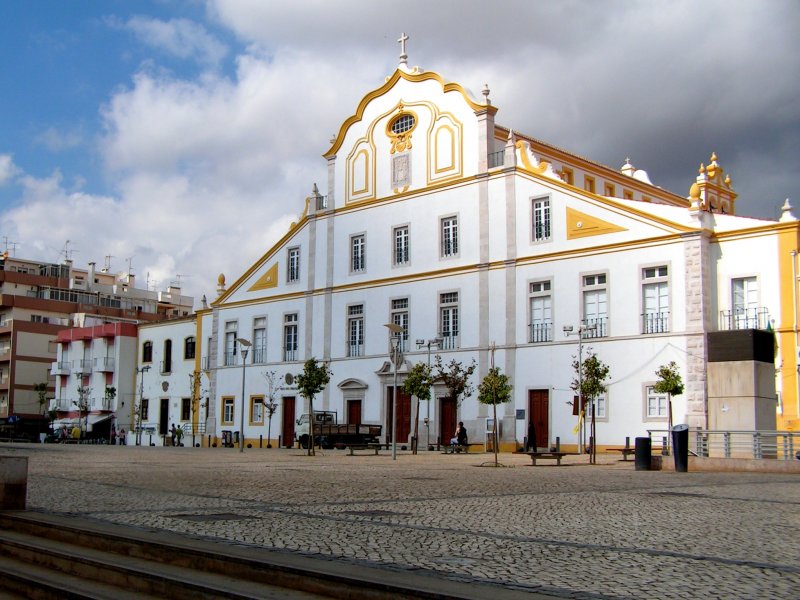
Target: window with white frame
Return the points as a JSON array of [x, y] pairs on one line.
[[449, 235], [745, 312], [293, 262], [655, 299], [260, 340], [400, 318], [541, 312], [227, 410], [355, 330], [656, 405], [231, 333], [448, 320], [541, 219], [358, 253], [290, 337], [401, 253], [600, 408], [257, 410], [595, 305]]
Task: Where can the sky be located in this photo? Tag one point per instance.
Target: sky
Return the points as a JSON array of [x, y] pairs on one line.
[[181, 137]]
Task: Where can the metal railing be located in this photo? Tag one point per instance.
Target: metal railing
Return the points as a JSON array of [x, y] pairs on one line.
[[594, 328], [781, 445], [497, 159], [104, 364], [230, 359], [744, 318], [85, 365], [655, 322], [289, 354], [60, 368], [355, 350], [449, 342], [259, 355], [540, 332]]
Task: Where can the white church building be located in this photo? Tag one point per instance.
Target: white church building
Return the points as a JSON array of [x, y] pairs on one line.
[[472, 237]]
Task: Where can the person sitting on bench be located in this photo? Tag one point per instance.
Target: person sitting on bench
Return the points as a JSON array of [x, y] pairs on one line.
[[460, 438]]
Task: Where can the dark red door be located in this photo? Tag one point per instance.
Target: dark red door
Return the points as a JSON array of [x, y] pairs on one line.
[[287, 429], [403, 415], [354, 412], [447, 420], [538, 413]]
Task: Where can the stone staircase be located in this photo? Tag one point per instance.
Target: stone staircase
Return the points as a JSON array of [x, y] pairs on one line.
[[49, 556]]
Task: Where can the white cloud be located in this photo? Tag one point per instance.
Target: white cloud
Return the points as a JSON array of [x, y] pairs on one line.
[[181, 38], [56, 140], [8, 170]]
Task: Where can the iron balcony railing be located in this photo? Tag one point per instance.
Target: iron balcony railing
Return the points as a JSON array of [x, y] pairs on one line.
[[497, 159], [655, 322], [259, 355], [744, 318], [61, 404], [230, 359], [540, 332], [289, 354], [449, 342], [594, 328], [780, 445], [355, 350], [85, 365], [104, 364], [61, 368]]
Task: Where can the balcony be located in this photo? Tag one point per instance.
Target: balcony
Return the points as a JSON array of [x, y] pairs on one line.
[[60, 368], [496, 159], [230, 359], [289, 354], [259, 355], [61, 404], [449, 342], [744, 318], [84, 366], [594, 328], [355, 350], [540, 332], [104, 364], [655, 322]]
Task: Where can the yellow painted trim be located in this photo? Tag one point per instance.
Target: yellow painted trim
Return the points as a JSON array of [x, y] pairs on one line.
[[788, 240], [437, 169], [268, 280], [526, 163], [581, 225], [589, 184], [222, 400], [390, 83], [253, 398]]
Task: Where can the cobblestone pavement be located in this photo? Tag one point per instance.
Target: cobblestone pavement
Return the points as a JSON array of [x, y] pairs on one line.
[[575, 531]]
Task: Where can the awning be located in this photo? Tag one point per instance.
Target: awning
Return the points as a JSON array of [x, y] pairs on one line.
[[93, 420]]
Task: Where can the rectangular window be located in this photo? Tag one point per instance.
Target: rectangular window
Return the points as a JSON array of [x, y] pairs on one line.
[[541, 312], [290, 337], [257, 410], [657, 404], [358, 253], [401, 254], [600, 409], [745, 313], [231, 333], [655, 299], [449, 237], [227, 410], [260, 340], [541, 220], [186, 409], [610, 190], [448, 320], [145, 409], [355, 329], [595, 305], [567, 175], [400, 317], [627, 194], [293, 262], [588, 183]]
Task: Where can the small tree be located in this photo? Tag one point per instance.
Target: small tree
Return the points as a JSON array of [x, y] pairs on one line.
[[418, 383], [589, 384], [41, 391], [493, 390], [83, 403], [669, 383], [109, 394], [455, 377], [271, 406], [310, 382]]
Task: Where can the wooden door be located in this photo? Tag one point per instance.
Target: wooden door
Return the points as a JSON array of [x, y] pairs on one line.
[[163, 422], [538, 414], [287, 422], [354, 412], [403, 415], [447, 421]]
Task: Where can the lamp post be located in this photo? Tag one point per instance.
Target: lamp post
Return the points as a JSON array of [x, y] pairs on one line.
[[245, 344], [569, 330], [420, 343], [396, 330], [141, 371]]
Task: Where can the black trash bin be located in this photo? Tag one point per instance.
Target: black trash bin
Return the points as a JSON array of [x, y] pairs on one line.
[[680, 447], [643, 453]]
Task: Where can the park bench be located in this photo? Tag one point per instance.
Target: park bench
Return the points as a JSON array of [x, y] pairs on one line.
[[624, 451], [376, 447], [556, 456], [458, 448]]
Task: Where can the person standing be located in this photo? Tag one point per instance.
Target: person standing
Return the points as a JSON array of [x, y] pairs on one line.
[[532, 446], [121, 436], [172, 434]]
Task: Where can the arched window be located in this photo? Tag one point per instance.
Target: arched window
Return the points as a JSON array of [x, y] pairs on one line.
[[147, 352], [188, 347]]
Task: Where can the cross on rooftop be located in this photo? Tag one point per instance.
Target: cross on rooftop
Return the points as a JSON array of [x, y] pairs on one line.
[[403, 56]]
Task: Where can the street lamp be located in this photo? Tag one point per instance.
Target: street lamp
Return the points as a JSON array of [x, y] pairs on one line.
[[569, 330], [245, 344], [142, 371], [395, 347], [420, 343]]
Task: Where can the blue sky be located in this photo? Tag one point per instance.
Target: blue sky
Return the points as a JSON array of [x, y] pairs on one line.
[[184, 135]]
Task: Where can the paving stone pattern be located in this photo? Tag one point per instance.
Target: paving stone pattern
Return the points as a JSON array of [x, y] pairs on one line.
[[575, 531]]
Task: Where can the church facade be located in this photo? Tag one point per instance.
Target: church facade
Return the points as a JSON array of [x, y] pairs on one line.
[[486, 245]]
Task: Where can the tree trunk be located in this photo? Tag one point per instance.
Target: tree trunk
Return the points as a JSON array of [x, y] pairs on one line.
[[494, 433]]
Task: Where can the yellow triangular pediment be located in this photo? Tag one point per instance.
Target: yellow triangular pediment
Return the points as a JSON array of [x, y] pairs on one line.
[[267, 280], [581, 225]]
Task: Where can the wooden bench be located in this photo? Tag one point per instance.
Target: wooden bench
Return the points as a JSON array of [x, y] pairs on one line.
[[457, 448], [355, 447], [625, 452], [557, 456]]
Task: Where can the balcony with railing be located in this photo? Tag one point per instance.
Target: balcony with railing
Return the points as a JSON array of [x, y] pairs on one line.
[[449, 342], [104, 364], [62, 404], [540, 332], [289, 354], [496, 159], [230, 359], [744, 318], [60, 368], [85, 365], [594, 328], [655, 322], [355, 350]]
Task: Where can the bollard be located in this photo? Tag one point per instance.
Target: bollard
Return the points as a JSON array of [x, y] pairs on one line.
[[643, 452], [558, 444], [13, 482], [680, 447]]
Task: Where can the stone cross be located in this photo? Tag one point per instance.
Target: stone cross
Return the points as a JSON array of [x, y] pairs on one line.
[[403, 56]]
